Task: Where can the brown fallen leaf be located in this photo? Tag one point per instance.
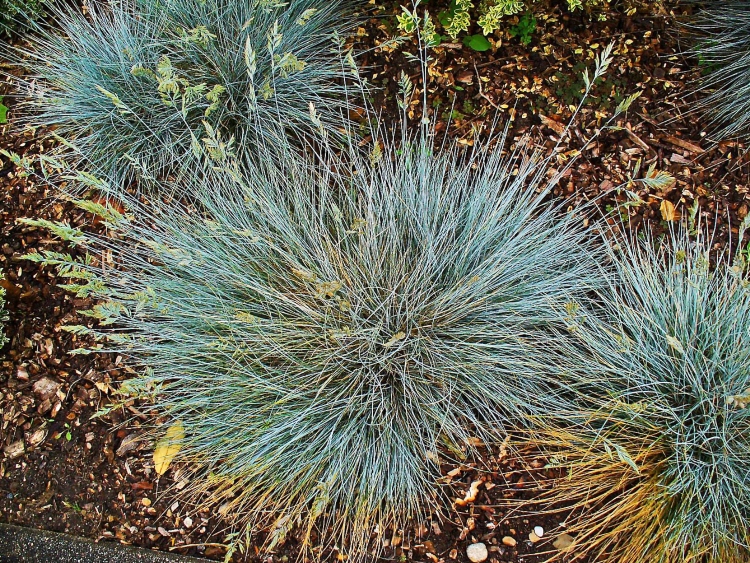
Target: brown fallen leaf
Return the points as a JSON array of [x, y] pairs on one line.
[[558, 128], [128, 444], [668, 212], [142, 486], [466, 76], [563, 541]]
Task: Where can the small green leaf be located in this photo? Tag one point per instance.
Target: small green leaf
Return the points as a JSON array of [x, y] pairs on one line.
[[624, 457], [68, 436], [477, 42], [3, 113]]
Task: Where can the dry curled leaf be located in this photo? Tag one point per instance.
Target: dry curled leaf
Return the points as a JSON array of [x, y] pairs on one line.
[[471, 494]]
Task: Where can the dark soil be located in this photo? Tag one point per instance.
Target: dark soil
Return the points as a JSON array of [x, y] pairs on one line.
[[64, 471]]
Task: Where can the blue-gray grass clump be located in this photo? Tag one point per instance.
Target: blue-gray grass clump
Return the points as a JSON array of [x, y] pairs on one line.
[[3, 314], [325, 331], [144, 85], [720, 33], [660, 460]]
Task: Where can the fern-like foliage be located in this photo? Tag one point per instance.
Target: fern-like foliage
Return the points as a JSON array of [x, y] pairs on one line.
[[325, 330], [143, 85], [721, 44], [660, 464]]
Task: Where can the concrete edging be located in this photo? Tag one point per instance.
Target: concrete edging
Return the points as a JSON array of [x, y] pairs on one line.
[[27, 545]]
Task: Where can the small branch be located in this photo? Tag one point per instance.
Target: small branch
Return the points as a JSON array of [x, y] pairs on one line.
[[481, 92]]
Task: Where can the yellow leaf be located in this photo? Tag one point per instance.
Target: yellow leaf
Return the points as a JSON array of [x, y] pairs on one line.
[[168, 446], [667, 211]]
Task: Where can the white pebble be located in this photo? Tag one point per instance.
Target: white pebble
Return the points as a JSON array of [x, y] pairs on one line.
[[477, 552], [539, 531]]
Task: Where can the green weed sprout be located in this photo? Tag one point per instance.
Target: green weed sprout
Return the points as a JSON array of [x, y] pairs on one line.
[[141, 85], [658, 465]]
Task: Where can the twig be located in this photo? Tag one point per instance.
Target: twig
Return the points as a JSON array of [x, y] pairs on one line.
[[481, 92], [637, 140]]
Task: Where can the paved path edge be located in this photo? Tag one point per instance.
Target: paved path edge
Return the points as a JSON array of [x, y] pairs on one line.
[[27, 545]]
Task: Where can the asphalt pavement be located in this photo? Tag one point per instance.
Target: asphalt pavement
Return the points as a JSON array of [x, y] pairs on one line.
[[26, 545]]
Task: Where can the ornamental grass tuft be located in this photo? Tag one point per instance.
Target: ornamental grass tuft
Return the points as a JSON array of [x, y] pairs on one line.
[[140, 85], [658, 465], [323, 332], [3, 314], [721, 42]]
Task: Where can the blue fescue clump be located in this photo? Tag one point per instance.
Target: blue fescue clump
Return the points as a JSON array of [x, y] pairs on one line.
[[660, 463], [140, 85], [721, 43], [325, 331], [3, 314]]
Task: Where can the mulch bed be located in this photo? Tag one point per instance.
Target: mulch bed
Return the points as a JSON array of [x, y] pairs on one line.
[[64, 471]]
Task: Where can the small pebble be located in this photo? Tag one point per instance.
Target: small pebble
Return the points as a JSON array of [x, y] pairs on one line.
[[146, 501], [539, 531], [509, 541], [477, 552], [188, 522], [533, 538]]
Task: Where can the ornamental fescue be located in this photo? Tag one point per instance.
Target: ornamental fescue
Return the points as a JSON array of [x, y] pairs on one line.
[[138, 87], [323, 332], [720, 35], [659, 463]]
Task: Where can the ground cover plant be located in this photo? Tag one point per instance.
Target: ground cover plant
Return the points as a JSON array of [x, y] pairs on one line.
[[16, 14], [661, 455], [61, 469], [721, 43], [489, 16], [139, 86]]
